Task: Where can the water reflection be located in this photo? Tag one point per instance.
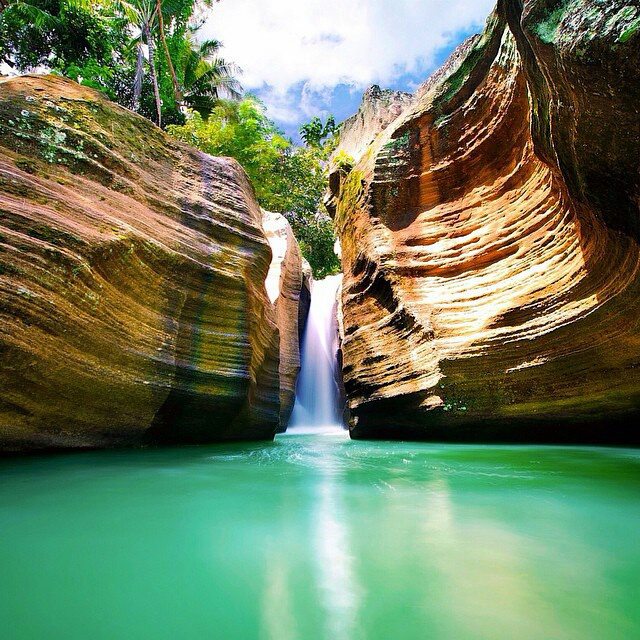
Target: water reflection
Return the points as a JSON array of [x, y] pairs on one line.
[[278, 617], [318, 537], [340, 591]]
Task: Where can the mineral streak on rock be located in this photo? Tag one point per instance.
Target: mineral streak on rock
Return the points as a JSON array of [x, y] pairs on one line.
[[287, 285], [490, 239], [132, 268]]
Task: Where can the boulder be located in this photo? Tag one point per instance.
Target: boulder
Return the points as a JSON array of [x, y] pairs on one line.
[[490, 239], [133, 307]]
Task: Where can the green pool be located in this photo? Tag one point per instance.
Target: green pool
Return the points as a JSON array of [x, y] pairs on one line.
[[319, 537]]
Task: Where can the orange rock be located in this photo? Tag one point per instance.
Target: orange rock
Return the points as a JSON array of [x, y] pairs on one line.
[[132, 268], [488, 292]]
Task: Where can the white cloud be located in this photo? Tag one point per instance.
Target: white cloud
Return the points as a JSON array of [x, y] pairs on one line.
[[285, 45]]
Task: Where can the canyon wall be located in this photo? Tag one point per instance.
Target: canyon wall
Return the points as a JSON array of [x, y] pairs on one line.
[[490, 238], [133, 306]]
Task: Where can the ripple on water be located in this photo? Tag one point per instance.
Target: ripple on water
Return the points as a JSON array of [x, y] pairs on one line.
[[323, 537]]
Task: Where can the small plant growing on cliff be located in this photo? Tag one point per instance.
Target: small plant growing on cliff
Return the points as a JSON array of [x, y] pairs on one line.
[[343, 161]]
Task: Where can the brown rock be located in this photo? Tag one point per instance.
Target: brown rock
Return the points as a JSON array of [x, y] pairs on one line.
[[132, 269], [286, 285], [489, 239], [378, 109]]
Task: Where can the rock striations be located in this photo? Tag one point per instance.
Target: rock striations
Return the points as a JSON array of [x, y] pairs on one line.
[[490, 238], [133, 306]]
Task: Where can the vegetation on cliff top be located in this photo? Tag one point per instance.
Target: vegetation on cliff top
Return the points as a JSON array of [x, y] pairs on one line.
[[287, 179], [144, 54]]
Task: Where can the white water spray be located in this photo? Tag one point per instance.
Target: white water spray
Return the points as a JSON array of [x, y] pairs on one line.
[[317, 394]]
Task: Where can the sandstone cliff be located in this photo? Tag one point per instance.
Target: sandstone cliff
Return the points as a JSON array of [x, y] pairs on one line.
[[490, 238], [132, 300], [288, 289]]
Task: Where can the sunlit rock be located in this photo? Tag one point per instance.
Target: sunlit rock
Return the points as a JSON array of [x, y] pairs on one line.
[[286, 285], [490, 239], [132, 281]]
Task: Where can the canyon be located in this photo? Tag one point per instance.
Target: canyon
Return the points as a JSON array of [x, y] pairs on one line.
[[490, 246]]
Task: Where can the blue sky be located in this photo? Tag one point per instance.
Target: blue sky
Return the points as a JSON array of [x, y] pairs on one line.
[[315, 57]]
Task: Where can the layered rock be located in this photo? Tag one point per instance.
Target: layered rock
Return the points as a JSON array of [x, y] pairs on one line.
[[378, 109], [132, 269], [288, 288], [489, 239]]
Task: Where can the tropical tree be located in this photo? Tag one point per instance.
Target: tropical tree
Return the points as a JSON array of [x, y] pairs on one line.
[[58, 33], [176, 13], [207, 77], [163, 38], [288, 179], [314, 133], [141, 53], [29, 11], [143, 14]]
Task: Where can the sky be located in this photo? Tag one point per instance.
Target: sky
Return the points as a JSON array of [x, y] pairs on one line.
[[304, 58]]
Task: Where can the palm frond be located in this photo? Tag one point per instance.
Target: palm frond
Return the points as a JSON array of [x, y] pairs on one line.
[[39, 18], [208, 48]]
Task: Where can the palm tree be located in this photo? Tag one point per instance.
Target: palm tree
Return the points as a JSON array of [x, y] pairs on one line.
[[163, 38], [144, 15], [171, 9], [205, 76], [208, 77]]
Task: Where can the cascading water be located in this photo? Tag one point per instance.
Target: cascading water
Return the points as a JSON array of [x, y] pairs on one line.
[[317, 405]]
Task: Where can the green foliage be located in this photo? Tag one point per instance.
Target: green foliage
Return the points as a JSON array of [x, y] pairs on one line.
[[100, 43], [57, 33], [342, 160], [287, 179], [314, 133], [206, 77]]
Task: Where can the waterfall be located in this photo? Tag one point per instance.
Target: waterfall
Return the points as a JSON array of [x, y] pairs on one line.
[[317, 405]]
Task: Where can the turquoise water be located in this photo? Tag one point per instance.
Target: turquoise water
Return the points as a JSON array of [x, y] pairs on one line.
[[320, 537]]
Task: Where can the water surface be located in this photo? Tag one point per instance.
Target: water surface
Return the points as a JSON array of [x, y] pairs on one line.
[[319, 537]]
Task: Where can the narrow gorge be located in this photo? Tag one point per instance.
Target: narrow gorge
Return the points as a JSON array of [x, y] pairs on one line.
[[489, 235], [283, 357]]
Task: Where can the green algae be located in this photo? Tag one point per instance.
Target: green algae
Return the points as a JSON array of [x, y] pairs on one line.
[[547, 28], [629, 32], [351, 196], [26, 165]]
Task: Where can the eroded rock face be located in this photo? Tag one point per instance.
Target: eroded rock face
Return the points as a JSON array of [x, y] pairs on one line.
[[378, 109], [287, 286], [490, 244], [132, 268]]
